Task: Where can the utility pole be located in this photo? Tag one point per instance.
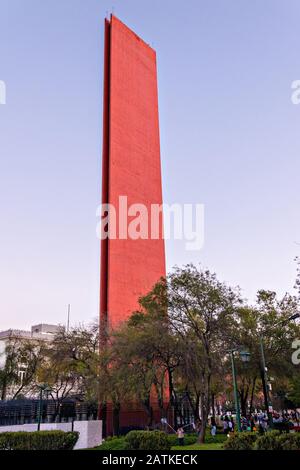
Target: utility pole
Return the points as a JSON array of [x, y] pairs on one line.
[[68, 321], [236, 397], [40, 408], [264, 377]]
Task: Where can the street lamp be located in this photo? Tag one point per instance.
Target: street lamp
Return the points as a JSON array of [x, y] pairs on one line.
[[43, 388], [245, 357], [294, 317]]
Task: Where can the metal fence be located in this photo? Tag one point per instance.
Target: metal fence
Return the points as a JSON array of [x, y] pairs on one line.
[[14, 412]]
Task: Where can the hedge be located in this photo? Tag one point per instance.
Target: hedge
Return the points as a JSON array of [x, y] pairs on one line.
[[38, 440], [241, 441], [268, 441], [271, 440], [189, 439], [276, 441], [289, 441], [113, 443], [147, 440]]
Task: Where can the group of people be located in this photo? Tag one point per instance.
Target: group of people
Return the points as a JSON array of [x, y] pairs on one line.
[[258, 421]]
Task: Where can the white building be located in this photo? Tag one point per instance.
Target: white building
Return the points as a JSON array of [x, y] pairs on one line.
[[41, 332]]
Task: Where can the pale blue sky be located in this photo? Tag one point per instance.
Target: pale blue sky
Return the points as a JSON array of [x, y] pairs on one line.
[[229, 140]]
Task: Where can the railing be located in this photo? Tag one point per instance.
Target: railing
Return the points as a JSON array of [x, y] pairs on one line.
[[26, 411]]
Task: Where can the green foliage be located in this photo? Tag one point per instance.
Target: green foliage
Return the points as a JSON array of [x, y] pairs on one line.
[[268, 441], [72, 363], [42, 440], [120, 443], [241, 441], [20, 351], [147, 440], [276, 441], [290, 441], [189, 439], [294, 393], [113, 443], [272, 440]]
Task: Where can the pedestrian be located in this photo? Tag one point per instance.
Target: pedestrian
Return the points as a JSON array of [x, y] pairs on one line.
[[213, 424], [225, 425], [198, 427], [180, 436], [232, 423]]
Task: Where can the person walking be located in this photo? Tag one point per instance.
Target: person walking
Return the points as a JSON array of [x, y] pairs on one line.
[[213, 424], [225, 425], [232, 423], [180, 436]]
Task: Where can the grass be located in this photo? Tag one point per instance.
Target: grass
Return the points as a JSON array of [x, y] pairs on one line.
[[118, 443]]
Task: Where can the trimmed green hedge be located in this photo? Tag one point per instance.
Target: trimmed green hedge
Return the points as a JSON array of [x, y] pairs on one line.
[[113, 443], [276, 441], [42, 440], [268, 441], [241, 441], [189, 439], [119, 443], [289, 441], [147, 440], [271, 440]]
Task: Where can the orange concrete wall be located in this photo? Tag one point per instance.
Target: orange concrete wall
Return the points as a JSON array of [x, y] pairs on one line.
[[131, 167]]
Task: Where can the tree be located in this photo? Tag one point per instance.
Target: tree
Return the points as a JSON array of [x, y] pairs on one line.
[[268, 321], [294, 392], [140, 363], [203, 309], [71, 365], [22, 360]]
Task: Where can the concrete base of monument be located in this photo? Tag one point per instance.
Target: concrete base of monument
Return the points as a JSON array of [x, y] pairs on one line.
[[90, 432], [130, 416]]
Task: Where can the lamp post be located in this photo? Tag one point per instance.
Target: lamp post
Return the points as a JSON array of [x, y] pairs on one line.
[[245, 357], [43, 388]]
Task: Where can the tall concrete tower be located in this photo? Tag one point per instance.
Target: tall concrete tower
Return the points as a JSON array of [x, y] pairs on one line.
[[131, 168]]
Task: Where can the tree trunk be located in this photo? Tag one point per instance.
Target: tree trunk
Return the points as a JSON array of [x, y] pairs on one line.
[[252, 395], [116, 419], [204, 417], [244, 403], [4, 387], [213, 405], [148, 409]]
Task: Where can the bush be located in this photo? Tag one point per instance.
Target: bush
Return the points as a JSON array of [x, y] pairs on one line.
[[113, 443], [147, 440], [41, 440], [289, 441], [268, 441], [189, 439], [241, 441]]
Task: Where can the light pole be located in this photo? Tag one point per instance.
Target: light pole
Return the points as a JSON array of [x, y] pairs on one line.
[[245, 357], [43, 388], [264, 375]]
